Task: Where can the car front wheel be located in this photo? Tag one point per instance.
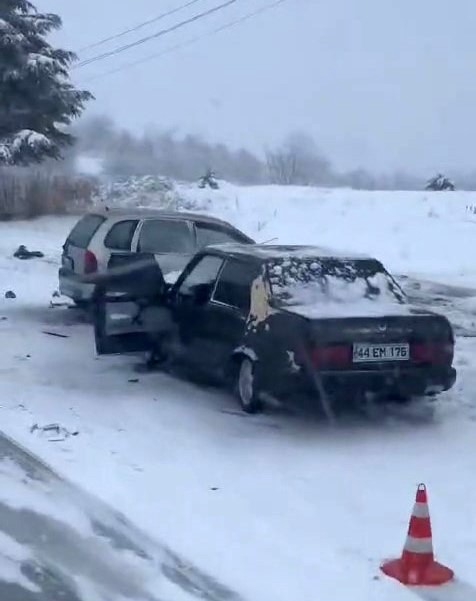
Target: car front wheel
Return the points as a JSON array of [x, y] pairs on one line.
[[246, 389]]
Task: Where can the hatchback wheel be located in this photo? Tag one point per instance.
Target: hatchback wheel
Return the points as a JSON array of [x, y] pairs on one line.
[[245, 387]]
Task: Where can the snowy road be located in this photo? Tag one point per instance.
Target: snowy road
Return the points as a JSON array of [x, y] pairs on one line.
[[278, 507], [56, 542]]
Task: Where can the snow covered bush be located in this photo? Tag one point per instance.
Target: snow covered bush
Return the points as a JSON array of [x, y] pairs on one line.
[[37, 100], [148, 191]]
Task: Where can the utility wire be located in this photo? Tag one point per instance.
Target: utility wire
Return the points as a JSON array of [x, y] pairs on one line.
[[159, 34], [137, 27], [189, 42]]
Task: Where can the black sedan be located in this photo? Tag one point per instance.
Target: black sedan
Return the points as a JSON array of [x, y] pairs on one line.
[[284, 321]]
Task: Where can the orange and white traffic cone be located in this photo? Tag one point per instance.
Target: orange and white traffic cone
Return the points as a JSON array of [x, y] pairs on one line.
[[417, 565]]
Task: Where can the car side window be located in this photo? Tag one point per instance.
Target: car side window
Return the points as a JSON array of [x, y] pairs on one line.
[[234, 284], [120, 235], [213, 234], [166, 236], [204, 273]]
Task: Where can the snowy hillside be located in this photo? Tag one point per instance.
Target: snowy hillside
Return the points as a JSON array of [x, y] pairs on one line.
[[428, 233], [277, 507]]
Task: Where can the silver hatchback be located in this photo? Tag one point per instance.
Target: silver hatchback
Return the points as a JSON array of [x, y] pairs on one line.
[[100, 238]]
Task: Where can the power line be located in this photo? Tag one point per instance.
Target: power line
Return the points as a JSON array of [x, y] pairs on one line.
[[154, 36], [137, 27], [189, 42]]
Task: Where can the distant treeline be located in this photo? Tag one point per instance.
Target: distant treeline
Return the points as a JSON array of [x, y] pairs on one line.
[[298, 160]]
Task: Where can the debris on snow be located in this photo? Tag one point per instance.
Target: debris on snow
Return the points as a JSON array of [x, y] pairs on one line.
[[56, 334], [23, 253], [10, 294], [53, 432]]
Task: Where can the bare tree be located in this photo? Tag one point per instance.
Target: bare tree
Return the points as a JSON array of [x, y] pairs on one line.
[[282, 167], [298, 162]]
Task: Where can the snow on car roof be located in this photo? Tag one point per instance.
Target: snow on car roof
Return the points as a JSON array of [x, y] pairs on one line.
[[140, 213], [270, 251]]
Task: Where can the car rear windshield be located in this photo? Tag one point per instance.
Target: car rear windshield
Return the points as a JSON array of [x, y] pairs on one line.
[[84, 230], [311, 281], [166, 236]]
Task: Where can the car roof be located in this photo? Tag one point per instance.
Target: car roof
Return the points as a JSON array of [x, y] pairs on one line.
[[267, 252], [144, 213]]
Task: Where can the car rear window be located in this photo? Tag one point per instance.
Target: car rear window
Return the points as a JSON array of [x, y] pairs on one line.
[[308, 281], [166, 236], [84, 230], [212, 234]]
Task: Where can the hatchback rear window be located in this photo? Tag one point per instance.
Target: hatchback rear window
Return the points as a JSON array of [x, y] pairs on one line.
[[84, 230], [166, 236]]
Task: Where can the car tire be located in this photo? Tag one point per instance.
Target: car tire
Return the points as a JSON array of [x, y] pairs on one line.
[[245, 387]]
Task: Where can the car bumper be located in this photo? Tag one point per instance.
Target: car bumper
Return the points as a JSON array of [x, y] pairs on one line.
[[420, 381], [70, 285]]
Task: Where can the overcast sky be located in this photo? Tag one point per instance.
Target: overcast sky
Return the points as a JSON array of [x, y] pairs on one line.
[[385, 84]]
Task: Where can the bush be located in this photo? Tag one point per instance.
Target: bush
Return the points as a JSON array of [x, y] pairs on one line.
[[25, 194]]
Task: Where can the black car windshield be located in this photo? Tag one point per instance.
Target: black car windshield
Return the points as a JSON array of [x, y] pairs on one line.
[[319, 282]]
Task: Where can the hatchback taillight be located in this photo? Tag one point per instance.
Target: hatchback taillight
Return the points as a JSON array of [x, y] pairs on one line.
[[433, 352], [90, 262], [331, 356]]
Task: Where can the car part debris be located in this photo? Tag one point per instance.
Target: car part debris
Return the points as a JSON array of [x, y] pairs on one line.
[[56, 334], [23, 253], [54, 432]]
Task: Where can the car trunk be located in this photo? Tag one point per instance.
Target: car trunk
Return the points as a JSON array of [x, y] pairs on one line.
[[76, 257], [376, 343]]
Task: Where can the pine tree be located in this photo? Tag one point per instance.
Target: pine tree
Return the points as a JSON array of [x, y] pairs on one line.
[[440, 183], [37, 100]]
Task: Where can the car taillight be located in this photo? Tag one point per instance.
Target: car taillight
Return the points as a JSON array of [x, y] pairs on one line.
[[90, 262], [330, 356], [432, 352]]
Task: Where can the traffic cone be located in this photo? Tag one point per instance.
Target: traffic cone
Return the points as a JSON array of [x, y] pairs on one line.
[[417, 565]]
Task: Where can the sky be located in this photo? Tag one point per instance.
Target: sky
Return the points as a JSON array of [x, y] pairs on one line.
[[380, 84]]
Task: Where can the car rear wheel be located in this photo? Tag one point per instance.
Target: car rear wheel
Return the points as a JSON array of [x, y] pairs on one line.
[[245, 387]]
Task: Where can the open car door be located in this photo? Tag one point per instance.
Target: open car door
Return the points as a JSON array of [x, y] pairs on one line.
[[129, 304]]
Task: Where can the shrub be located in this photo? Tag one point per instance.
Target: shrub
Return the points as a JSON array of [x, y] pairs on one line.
[[25, 194]]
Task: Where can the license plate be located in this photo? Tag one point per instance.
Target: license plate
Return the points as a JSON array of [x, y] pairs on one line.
[[364, 353]]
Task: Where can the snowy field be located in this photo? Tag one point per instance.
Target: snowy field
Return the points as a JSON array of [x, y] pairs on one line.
[[278, 507]]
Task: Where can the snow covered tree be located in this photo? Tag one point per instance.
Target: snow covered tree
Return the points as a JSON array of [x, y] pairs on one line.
[[37, 100], [209, 179], [439, 183]]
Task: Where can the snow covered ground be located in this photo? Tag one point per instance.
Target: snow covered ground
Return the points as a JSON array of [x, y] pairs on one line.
[[278, 507]]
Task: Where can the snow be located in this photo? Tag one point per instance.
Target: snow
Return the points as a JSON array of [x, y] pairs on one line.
[[25, 137], [361, 308], [172, 276], [276, 506], [11, 556], [411, 232]]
